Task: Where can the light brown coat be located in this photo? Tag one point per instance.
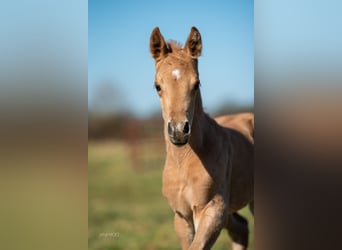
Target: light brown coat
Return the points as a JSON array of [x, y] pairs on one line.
[[208, 173]]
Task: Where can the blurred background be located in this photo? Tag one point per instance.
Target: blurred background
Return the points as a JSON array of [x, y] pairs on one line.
[[126, 149], [44, 158]]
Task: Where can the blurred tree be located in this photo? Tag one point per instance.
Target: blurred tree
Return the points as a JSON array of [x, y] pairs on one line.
[[108, 98]]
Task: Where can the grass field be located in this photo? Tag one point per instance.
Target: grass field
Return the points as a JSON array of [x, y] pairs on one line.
[[126, 206]]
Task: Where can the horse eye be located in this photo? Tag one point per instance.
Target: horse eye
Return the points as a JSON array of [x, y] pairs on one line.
[[197, 85], [158, 88]]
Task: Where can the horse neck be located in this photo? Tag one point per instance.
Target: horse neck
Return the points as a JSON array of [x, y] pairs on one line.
[[202, 126]]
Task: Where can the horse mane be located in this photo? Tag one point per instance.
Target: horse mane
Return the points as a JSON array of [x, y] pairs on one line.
[[174, 46]]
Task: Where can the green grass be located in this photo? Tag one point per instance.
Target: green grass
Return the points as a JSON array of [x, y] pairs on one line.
[[126, 206]]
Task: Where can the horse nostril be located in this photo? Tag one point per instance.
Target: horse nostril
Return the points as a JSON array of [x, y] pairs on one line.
[[186, 128], [169, 129]]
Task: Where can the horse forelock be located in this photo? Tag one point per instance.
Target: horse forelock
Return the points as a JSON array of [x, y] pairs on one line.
[[174, 46], [176, 55]]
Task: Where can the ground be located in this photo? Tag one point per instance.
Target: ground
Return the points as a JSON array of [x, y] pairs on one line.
[[126, 206]]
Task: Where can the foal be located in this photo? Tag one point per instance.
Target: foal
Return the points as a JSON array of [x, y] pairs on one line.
[[208, 173]]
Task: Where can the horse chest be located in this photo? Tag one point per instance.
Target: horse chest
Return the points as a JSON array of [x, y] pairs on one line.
[[185, 188]]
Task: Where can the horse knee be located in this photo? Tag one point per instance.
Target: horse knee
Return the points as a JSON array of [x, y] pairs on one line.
[[237, 227], [208, 222], [215, 210]]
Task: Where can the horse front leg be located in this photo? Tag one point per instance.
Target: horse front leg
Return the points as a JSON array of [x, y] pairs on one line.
[[237, 227], [208, 223], [184, 230]]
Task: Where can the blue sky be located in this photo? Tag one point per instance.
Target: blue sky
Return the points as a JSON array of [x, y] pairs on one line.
[[121, 71]]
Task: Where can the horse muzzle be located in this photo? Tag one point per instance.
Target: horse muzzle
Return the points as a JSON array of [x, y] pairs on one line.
[[179, 132]]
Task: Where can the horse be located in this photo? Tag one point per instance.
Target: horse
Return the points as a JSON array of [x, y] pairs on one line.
[[208, 171]]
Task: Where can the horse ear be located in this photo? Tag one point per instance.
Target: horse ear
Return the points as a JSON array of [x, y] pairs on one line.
[[158, 47], [193, 44]]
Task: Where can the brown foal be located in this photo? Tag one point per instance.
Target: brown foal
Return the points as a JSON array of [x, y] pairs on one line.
[[208, 173]]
